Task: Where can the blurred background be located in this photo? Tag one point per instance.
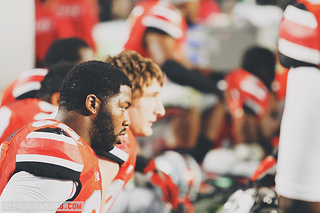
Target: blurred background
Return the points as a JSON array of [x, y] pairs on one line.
[[223, 30]]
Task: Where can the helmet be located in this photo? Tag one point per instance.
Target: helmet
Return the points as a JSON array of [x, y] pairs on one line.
[[184, 171]]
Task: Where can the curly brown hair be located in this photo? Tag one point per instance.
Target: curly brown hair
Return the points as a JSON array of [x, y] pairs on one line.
[[140, 71]]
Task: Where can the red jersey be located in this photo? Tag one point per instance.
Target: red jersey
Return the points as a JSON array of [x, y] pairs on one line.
[[27, 83], [206, 9], [46, 30], [299, 41], [31, 149], [76, 18], [158, 15], [22, 112], [246, 90], [59, 19], [126, 169]]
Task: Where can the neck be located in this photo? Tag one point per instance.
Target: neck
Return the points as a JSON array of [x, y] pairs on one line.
[[76, 121]]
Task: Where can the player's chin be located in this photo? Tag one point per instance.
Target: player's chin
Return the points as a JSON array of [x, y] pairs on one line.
[[147, 132]]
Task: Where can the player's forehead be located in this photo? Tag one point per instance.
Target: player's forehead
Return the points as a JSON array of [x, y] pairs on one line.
[[123, 97], [154, 86]]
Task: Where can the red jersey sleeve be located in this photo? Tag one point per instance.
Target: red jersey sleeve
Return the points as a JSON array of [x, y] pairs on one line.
[[166, 18], [26, 83], [22, 112], [246, 91], [299, 40], [158, 15], [126, 169], [76, 18]]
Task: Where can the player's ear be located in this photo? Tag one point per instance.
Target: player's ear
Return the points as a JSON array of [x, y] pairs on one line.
[[93, 104], [55, 98]]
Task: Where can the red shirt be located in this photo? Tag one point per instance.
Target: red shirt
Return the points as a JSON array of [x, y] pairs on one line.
[[207, 8], [22, 112], [26, 82], [46, 28], [59, 19], [158, 15], [76, 18], [246, 89], [243, 89], [299, 40]]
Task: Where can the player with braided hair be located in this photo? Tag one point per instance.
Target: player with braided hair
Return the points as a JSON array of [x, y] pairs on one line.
[[158, 30], [147, 80]]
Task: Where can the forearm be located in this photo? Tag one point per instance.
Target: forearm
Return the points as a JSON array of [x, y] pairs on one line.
[[179, 74], [295, 206], [162, 49], [245, 130]]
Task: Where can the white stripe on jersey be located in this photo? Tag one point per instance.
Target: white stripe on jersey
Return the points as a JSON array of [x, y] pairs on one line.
[[33, 72], [257, 108], [249, 85], [52, 115], [1, 148], [47, 107], [172, 15], [33, 85], [299, 52], [5, 114], [119, 153], [50, 160], [73, 134], [41, 116], [43, 123], [301, 17], [137, 11], [52, 136], [314, 1], [165, 26]]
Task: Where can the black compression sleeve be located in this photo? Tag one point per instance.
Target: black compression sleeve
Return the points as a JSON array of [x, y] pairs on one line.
[[155, 30], [290, 62], [141, 163], [179, 74], [202, 147]]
